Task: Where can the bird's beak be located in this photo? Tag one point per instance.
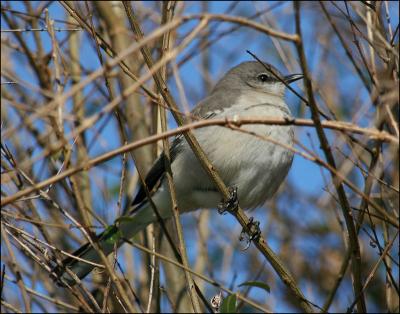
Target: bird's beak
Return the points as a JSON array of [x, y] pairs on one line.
[[293, 77]]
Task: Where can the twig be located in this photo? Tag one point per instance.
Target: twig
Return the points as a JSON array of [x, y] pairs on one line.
[[11, 307], [147, 56], [201, 276], [373, 271], [15, 266], [353, 239], [47, 298]]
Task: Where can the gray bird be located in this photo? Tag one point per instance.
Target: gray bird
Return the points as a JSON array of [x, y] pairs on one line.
[[254, 166]]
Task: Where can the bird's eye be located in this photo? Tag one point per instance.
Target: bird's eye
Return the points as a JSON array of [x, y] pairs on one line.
[[263, 78]]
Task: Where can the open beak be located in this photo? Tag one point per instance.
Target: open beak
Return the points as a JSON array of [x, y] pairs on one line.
[[293, 77]]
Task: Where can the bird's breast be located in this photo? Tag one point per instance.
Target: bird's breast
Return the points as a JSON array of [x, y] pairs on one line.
[[255, 158]]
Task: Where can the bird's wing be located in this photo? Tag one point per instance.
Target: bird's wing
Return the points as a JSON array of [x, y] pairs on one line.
[[156, 174], [204, 110]]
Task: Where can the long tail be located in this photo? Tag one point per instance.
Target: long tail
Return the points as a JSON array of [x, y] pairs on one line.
[[127, 228]]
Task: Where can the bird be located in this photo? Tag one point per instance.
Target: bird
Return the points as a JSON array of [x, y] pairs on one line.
[[253, 166]]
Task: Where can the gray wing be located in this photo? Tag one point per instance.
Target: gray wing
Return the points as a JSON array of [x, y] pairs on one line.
[[214, 104], [156, 174]]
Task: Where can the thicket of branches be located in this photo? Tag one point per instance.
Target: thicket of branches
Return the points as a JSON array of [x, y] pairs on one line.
[[83, 108]]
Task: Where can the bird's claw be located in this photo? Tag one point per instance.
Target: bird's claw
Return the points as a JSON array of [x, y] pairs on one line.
[[231, 203], [253, 233]]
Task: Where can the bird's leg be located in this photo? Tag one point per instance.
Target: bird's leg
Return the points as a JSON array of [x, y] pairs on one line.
[[231, 203], [254, 232]]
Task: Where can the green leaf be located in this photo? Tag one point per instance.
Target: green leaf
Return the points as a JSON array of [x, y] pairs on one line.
[[258, 284], [229, 304]]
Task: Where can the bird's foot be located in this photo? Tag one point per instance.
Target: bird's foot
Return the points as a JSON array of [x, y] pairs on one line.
[[231, 203], [254, 232]]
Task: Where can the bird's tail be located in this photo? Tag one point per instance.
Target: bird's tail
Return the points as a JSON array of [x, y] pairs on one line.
[[125, 228]]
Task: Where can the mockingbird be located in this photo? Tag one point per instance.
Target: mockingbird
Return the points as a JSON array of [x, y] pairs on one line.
[[255, 167]]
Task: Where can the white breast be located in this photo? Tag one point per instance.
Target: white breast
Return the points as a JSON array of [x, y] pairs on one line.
[[255, 166]]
